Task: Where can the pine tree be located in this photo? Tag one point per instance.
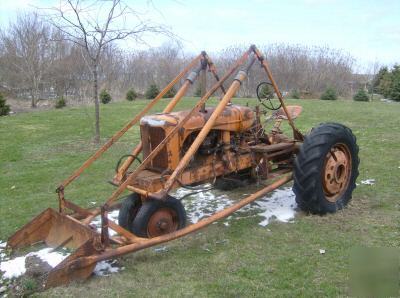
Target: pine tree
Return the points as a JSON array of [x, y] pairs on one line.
[[378, 78], [152, 91], [361, 95], [131, 95], [105, 97], [395, 89], [329, 94], [295, 94], [4, 108], [171, 93], [385, 84]]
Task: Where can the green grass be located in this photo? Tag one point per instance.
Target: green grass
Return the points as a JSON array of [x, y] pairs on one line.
[[40, 149]]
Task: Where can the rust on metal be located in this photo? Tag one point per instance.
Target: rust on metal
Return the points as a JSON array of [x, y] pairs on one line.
[[336, 173], [163, 221], [53, 228], [178, 148]]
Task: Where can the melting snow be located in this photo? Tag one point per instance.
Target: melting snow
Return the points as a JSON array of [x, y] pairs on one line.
[[152, 121], [368, 181], [105, 268], [202, 204], [161, 249], [16, 267], [279, 205], [113, 215]]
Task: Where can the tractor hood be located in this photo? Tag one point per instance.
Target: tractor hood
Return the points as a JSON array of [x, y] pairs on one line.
[[234, 118]]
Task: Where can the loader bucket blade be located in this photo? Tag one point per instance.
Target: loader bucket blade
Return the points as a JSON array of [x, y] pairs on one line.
[[54, 229], [76, 266]]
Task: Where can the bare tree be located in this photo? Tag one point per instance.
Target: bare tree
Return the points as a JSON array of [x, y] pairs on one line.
[[95, 25], [26, 56]]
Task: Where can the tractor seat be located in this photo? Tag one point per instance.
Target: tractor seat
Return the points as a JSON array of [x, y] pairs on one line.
[[294, 112]]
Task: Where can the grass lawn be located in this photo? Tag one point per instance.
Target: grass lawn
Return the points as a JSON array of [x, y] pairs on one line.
[[40, 149]]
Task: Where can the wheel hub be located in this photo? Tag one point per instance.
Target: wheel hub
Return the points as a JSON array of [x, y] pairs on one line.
[[337, 172], [163, 221]]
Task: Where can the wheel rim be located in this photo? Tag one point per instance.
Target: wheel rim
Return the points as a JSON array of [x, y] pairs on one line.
[[337, 172], [163, 221]]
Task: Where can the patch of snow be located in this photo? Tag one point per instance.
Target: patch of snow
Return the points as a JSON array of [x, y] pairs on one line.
[[53, 258], [280, 205], [368, 182], [105, 268], [16, 267], [161, 249], [13, 268], [152, 121], [113, 215], [202, 204]]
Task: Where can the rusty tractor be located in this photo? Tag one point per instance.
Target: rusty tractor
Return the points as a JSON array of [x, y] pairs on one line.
[[187, 148]]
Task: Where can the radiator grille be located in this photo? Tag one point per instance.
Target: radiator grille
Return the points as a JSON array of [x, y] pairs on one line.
[[151, 137]]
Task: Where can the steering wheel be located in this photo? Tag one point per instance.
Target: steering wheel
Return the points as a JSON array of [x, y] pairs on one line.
[[265, 97]]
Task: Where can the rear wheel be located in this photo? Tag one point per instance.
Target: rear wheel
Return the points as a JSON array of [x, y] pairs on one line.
[[326, 169], [157, 217]]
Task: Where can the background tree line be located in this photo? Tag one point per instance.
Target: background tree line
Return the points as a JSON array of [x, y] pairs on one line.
[[37, 62], [387, 82]]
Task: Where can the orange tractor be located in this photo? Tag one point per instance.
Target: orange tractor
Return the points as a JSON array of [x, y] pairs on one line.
[[186, 148]]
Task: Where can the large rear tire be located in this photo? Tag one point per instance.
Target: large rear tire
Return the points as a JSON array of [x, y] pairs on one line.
[[326, 169]]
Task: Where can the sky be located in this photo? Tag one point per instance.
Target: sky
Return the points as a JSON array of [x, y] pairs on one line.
[[367, 30]]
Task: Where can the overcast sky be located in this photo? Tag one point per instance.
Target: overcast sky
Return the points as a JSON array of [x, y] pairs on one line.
[[368, 30]]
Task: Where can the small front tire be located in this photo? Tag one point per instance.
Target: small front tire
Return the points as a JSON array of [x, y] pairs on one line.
[[158, 217], [128, 210]]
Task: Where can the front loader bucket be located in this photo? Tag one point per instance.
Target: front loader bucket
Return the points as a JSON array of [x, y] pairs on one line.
[[76, 266], [54, 229], [58, 230]]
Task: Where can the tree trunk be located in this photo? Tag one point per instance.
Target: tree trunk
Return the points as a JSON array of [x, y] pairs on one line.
[[96, 105], [33, 101]]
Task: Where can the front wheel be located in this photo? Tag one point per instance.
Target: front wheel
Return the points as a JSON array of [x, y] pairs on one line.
[[159, 217], [326, 169], [129, 208]]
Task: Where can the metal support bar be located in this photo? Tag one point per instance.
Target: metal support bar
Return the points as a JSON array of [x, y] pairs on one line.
[[105, 238], [171, 105], [205, 130], [189, 229], [296, 133], [119, 134], [61, 200]]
